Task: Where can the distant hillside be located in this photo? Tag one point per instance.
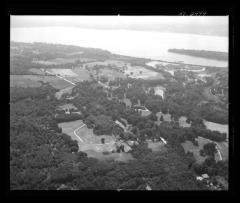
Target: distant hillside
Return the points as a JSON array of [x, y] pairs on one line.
[[222, 56], [22, 55]]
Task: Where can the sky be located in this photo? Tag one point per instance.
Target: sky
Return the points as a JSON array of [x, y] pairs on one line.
[[205, 25]]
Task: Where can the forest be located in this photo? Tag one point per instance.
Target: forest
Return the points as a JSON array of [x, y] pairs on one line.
[[41, 157]]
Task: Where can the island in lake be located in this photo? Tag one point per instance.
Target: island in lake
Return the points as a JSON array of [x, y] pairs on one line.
[[218, 55]]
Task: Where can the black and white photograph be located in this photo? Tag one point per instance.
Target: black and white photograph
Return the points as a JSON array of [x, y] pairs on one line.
[[119, 102]]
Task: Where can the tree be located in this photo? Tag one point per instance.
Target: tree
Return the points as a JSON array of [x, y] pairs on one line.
[[151, 92], [199, 168], [152, 117], [74, 148], [209, 161], [210, 149], [161, 118]]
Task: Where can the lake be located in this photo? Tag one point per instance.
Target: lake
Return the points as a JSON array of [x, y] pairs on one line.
[[146, 44]]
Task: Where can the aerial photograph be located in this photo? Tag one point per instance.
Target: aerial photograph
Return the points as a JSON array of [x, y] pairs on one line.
[[119, 102]]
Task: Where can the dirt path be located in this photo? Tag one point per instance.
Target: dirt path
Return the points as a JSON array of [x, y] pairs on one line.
[[76, 133], [60, 77], [219, 153]]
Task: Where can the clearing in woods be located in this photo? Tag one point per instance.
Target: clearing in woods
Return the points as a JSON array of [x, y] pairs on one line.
[[91, 143], [188, 146]]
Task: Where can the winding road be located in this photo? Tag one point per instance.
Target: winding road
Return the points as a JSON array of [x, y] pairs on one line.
[[76, 133]]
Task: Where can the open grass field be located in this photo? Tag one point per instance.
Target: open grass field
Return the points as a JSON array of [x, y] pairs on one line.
[[24, 81], [188, 146], [111, 74], [69, 127], [91, 143], [156, 146], [223, 147], [216, 127], [122, 157], [166, 117], [67, 90], [87, 140], [63, 72], [82, 74], [36, 71], [33, 81], [183, 123]]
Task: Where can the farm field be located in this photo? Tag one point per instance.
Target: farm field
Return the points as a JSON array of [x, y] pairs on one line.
[[56, 61], [34, 81], [63, 72], [36, 71], [75, 75]]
